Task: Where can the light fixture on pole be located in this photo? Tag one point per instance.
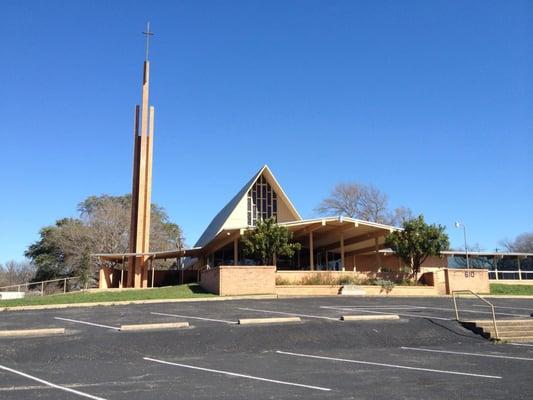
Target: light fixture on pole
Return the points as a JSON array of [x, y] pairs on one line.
[[457, 225]]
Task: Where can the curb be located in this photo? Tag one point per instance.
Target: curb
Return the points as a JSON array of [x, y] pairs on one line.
[[276, 320], [32, 332], [300, 296], [149, 327], [126, 302]]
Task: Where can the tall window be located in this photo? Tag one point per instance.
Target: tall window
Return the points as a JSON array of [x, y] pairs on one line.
[[262, 202]]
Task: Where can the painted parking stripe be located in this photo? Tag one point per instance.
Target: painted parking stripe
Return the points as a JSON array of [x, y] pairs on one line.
[[394, 307], [216, 371], [466, 354], [439, 371], [87, 323], [189, 317], [398, 307], [398, 313], [442, 309], [77, 392], [508, 308], [476, 312], [521, 344], [289, 313]]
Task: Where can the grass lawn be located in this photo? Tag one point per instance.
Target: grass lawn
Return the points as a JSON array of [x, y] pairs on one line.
[[170, 292], [498, 288]]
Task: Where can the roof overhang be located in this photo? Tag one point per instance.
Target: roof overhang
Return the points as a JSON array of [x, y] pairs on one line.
[[331, 234], [358, 237], [155, 255]]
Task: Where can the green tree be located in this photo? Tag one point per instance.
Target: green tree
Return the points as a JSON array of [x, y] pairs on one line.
[[102, 227], [268, 240], [417, 241]]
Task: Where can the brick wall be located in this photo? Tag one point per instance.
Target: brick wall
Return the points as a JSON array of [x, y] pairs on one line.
[[210, 280], [476, 280], [239, 280]]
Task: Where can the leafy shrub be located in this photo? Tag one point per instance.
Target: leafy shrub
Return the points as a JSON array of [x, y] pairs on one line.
[[326, 278], [385, 284], [408, 282], [352, 280]]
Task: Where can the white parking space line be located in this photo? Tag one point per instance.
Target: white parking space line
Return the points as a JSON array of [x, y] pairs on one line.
[[439, 309], [289, 313], [88, 396], [396, 307], [521, 344], [200, 318], [508, 308], [216, 371], [87, 323], [389, 365], [398, 313], [345, 308], [466, 354], [475, 312]]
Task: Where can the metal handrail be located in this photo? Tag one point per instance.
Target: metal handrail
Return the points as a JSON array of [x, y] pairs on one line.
[[19, 285], [480, 298]]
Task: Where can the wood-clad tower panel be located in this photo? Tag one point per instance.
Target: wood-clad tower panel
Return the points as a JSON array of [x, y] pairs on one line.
[[141, 187]]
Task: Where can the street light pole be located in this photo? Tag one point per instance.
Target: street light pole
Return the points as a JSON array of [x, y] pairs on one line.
[[457, 225]]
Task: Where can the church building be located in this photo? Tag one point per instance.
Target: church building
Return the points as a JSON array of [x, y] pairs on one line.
[[329, 243]]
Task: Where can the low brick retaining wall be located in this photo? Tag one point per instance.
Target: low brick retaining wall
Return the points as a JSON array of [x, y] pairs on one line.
[[401, 290], [372, 290], [308, 290]]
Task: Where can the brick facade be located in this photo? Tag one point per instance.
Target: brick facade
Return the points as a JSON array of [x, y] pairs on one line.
[[239, 280]]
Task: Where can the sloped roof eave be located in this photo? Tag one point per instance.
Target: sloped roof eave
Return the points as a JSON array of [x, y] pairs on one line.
[[216, 225]]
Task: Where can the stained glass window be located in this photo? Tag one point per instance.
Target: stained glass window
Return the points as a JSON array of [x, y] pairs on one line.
[[262, 202]]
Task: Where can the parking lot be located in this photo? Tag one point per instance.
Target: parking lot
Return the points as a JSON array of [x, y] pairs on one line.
[[425, 354]]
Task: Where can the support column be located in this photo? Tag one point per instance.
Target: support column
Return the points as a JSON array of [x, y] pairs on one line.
[[236, 251], [519, 269], [311, 256], [378, 258], [153, 271], [342, 252]]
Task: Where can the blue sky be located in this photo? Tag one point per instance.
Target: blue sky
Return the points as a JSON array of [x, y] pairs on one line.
[[430, 101]]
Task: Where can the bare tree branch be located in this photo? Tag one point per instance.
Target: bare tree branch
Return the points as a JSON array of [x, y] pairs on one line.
[[364, 202]]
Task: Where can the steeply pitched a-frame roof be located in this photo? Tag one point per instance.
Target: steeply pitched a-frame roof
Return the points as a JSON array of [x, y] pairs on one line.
[[217, 224]]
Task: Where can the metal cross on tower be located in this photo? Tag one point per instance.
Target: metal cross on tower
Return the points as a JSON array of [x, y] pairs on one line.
[[147, 33]]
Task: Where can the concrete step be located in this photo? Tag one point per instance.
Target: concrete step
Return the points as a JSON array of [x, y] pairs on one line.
[[509, 333], [508, 330], [520, 339], [502, 322]]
